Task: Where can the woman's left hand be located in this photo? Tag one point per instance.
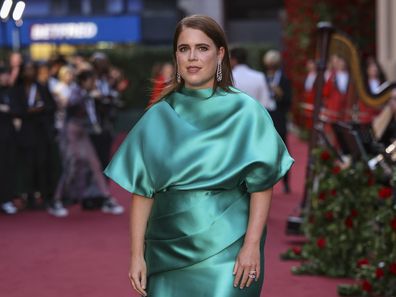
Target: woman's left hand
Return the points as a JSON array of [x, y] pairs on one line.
[[247, 265]]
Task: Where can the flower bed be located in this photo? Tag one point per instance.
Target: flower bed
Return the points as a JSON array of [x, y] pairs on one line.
[[350, 228]]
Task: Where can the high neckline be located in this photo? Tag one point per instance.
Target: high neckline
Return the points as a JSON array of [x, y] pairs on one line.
[[197, 93]]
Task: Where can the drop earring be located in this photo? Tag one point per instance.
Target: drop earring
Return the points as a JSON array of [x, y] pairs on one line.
[[178, 77], [219, 72]]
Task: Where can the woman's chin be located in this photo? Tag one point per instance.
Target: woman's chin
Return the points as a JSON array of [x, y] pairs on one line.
[[198, 84]]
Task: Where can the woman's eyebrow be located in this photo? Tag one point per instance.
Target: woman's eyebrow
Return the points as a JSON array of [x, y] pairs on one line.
[[202, 44], [198, 44]]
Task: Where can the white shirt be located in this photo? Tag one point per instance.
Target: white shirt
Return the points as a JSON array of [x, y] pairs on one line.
[[309, 81], [62, 93], [342, 80], [374, 85], [253, 83]]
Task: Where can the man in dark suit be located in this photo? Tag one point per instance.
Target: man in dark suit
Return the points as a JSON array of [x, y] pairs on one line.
[[281, 97]]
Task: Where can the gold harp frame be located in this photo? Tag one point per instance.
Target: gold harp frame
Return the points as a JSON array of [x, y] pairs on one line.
[[341, 45]]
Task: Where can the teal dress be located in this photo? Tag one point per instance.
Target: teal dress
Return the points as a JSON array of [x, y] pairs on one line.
[[199, 155]]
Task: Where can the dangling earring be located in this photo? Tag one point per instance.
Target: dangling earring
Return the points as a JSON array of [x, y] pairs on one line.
[[178, 78], [219, 72]]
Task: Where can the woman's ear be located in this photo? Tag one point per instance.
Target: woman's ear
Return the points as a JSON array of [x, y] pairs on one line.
[[220, 53]]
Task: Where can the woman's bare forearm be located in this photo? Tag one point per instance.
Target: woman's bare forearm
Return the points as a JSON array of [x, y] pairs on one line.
[[140, 210], [260, 203], [247, 265]]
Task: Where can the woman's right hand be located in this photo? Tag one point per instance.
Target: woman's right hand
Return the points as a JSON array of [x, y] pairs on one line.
[[138, 275]]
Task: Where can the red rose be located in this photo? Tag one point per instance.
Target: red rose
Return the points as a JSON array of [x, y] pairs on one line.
[[354, 213], [392, 268], [321, 243], [325, 156], [296, 250], [379, 272], [336, 170], [366, 286], [322, 196], [385, 192], [329, 215], [362, 262], [393, 223], [349, 222], [333, 192]]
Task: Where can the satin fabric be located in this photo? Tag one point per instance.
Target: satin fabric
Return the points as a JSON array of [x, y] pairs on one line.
[[191, 248], [199, 154]]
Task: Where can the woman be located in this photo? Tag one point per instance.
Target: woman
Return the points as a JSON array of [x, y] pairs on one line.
[[374, 75], [160, 80], [208, 173], [376, 82], [309, 93], [82, 176], [36, 144], [62, 92]]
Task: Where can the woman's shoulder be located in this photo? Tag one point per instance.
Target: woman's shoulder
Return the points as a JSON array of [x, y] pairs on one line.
[[150, 114], [244, 99], [155, 109], [250, 109]]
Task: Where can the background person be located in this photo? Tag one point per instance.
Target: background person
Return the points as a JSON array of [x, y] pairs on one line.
[[161, 80], [248, 80], [82, 176], [7, 145], [62, 90], [36, 137], [309, 93], [281, 97]]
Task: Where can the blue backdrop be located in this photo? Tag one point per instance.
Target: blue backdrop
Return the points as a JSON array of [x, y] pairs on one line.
[[73, 30]]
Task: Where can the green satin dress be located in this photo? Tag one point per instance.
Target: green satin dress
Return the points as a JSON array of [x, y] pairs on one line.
[[199, 155]]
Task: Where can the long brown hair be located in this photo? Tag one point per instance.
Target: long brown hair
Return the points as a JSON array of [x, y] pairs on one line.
[[213, 30]]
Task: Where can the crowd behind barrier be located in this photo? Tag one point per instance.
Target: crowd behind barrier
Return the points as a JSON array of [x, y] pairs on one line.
[[56, 129]]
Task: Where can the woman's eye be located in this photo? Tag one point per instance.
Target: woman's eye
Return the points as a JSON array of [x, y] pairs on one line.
[[182, 49], [203, 48]]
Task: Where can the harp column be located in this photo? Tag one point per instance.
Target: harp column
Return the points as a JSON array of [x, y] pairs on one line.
[[386, 36]]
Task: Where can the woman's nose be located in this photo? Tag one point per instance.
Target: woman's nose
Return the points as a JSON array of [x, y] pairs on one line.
[[192, 55]]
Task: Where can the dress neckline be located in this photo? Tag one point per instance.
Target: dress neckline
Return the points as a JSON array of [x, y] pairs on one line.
[[197, 93]]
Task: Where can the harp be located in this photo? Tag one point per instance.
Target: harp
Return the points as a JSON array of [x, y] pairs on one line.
[[331, 42], [341, 45], [361, 104]]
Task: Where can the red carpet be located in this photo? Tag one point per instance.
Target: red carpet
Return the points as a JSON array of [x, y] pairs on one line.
[[86, 254]]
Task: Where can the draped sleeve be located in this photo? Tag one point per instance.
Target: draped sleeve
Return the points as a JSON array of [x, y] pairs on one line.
[[129, 166], [267, 157], [195, 140]]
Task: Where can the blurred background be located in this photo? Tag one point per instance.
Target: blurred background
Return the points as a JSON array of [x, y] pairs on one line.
[[125, 48], [136, 34]]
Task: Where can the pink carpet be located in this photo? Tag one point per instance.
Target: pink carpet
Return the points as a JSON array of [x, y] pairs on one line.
[[86, 254]]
